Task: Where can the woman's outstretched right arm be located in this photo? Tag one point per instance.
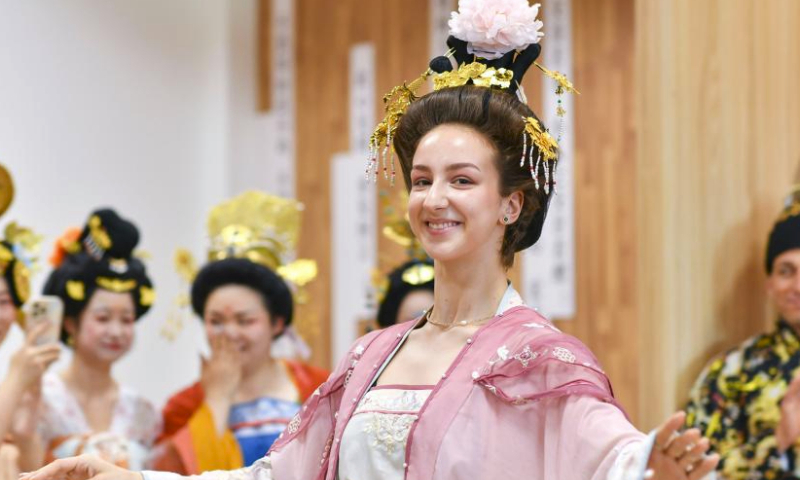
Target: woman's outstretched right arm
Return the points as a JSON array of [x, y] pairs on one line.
[[90, 467]]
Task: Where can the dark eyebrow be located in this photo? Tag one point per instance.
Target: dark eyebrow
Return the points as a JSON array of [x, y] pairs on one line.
[[239, 313], [455, 166]]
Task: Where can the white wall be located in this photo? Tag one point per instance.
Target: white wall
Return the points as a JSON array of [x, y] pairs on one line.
[[141, 105]]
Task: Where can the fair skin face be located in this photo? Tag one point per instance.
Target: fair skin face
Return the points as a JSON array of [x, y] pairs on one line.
[[104, 334], [241, 368], [412, 306], [783, 290], [456, 211]]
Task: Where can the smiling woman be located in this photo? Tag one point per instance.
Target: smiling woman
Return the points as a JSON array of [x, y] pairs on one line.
[[245, 398], [105, 289], [481, 385], [479, 130]]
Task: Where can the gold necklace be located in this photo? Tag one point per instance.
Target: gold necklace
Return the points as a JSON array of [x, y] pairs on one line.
[[460, 323]]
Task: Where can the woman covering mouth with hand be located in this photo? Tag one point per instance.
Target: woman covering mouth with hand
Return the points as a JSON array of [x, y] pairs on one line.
[[245, 396]]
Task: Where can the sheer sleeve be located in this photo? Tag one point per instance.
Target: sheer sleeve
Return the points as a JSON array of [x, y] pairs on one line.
[[608, 445], [260, 470]]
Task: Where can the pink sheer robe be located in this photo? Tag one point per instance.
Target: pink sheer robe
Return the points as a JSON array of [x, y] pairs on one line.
[[521, 400]]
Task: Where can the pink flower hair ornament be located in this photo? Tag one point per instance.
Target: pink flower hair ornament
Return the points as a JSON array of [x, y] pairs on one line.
[[493, 28]]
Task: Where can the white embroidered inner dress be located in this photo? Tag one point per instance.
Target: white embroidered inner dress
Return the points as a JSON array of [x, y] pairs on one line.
[[374, 442]]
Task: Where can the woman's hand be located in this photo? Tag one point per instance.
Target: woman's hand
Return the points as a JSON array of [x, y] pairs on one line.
[[220, 378], [680, 455], [221, 374], [84, 467], [31, 361]]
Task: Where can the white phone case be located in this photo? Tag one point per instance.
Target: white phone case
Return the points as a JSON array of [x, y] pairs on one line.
[[46, 308]]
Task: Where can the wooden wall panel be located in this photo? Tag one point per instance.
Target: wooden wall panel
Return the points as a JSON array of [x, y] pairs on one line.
[[685, 143], [605, 166], [605, 193], [264, 55], [717, 112], [325, 33]]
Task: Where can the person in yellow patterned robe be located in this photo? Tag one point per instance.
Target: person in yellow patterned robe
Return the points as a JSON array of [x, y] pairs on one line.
[[747, 401]]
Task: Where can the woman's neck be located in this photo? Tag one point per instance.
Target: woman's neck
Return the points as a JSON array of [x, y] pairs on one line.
[[88, 374], [467, 290], [261, 378]]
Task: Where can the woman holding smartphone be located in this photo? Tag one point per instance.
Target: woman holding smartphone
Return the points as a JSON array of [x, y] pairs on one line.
[[32, 359], [105, 290]]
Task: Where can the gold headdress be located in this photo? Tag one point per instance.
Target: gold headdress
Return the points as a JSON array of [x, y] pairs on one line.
[[260, 227], [257, 226], [485, 59]]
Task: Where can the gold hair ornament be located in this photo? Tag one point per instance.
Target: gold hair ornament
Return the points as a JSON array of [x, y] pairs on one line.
[[25, 248], [478, 73], [397, 101], [146, 296], [398, 229], [380, 142], [264, 229], [98, 241], [76, 290], [547, 149], [22, 281], [115, 284], [791, 205], [255, 226], [418, 274]]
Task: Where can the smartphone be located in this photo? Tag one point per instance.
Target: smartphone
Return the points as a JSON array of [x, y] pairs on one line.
[[46, 308]]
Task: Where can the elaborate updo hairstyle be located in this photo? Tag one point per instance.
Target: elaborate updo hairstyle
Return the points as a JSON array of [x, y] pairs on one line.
[[398, 288], [274, 292], [99, 256], [499, 118]]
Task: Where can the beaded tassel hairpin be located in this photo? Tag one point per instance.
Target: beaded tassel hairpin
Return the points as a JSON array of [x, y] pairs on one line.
[[397, 102]]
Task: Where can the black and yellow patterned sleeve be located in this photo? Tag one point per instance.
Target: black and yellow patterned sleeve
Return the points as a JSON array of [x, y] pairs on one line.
[[717, 406]]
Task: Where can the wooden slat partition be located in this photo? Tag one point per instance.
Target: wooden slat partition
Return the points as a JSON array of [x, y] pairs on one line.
[[605, 193], [718, 116], [605, 166], [686, 140], [325, 33], [264, 55]]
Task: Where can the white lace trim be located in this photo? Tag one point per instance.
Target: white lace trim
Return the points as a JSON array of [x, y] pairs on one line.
[[260, 470], [393, 400]]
